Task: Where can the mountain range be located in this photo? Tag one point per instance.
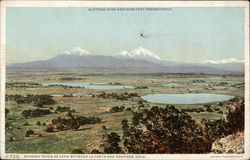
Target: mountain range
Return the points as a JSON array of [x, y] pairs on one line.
[[139, 59]]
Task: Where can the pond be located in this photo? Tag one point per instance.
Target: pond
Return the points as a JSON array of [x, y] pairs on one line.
[[194, 98], [90, 85]]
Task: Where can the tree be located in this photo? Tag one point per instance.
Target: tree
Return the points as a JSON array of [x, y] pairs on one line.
[[167, 130], [125, 128], [29, 132], [104, 127], [111, 143], [38, 123], [235, 117], [49, 129]]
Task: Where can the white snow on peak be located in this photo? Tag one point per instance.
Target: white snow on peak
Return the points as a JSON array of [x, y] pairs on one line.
[[77, 51], [139, 53], [124, 53], [223, 61]]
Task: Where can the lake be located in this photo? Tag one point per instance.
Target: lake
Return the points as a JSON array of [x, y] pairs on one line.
[[89, 85], [189, 98]]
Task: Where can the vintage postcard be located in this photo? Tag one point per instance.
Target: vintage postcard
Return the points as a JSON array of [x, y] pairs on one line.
[[124, 80]]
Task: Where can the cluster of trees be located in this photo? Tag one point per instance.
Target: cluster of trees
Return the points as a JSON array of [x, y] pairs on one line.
[[70, 78], [207, 108], [197, 110], [116, 109], [13, 97], [38, 100], [167, 130], [197, 81], [114, 83], [21, 84], [64, 109], [123, 96], [71, 123], [235, 116], [68, 95], [141, 87], [35, 113]]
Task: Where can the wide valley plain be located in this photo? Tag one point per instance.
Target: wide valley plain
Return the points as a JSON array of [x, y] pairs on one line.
[[88, 102]]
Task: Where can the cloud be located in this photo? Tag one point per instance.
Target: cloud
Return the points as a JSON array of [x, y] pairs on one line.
[[228, 60]]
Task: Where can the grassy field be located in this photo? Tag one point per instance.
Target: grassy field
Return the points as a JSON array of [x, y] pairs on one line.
[[89, 136]]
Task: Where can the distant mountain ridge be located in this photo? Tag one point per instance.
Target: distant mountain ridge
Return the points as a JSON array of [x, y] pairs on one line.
[[139, 53], [139, 59], [77, 51]]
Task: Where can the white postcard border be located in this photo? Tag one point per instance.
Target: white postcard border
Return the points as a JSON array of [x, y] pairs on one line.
[[5, 4]]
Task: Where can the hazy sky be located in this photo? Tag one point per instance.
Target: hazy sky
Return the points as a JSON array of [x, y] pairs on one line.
[[183, 34]]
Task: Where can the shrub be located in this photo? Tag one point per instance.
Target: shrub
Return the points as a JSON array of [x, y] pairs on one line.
[[95, 151], [140, 102], [235, 116], [136, 118], [129, 109], [220, 104], [69, 78], [11, 139], [49, 129], [220, 112], [117, 109], [35, 113], [40, 135], [77, 151], [167, 130], [125, 128], [40, 100], [26, 113], [38, 123], [111, 143], [29, 132], [104, 127], [73, 122], [20, 101], [124, 96], [62, 109], [26, 123]]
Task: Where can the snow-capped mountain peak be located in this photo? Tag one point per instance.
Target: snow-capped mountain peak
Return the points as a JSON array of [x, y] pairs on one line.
[[142, 52], [77, 51], [124, 53], [223, 61], [139, 53]]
